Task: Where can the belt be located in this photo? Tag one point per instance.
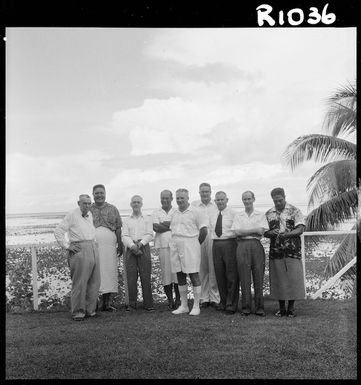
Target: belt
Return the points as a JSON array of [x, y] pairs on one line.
[[83, 241], [247, 239], [223, 240]]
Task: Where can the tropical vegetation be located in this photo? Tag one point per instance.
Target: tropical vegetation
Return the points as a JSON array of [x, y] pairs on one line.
[[333, 193]]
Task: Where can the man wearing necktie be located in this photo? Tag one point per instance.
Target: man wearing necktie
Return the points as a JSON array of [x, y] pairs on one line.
[[83, 258], [224, 254]]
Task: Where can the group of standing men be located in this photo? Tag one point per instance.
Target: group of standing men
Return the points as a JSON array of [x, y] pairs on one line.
[[218, 248]]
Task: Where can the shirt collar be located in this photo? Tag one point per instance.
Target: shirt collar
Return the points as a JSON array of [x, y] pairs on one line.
[[287, 206]]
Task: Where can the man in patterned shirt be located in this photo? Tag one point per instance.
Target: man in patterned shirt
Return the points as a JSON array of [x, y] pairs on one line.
[[108, 227], [286, 224]]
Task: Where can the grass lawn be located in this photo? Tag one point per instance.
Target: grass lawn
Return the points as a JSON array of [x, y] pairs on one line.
[[320, 343]]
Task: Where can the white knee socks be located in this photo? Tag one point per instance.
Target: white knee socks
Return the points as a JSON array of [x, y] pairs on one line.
[[197, 295], [183, 308]]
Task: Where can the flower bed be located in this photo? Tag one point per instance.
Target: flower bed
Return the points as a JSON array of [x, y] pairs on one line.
[[54, 282]]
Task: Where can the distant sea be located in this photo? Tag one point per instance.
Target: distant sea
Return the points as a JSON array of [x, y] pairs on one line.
[[39, 227]]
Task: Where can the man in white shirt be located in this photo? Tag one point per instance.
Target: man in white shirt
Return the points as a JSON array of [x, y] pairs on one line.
[[161, 222], [137, 233], [224, 254], [249, 227], [83, 258], [189, 230], [209, 292]]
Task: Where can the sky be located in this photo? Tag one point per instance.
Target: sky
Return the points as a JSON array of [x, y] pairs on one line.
[[145, 109]]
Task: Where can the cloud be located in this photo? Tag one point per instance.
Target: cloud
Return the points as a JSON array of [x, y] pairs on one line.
[[213, 73], [46, 183], [167, 126]]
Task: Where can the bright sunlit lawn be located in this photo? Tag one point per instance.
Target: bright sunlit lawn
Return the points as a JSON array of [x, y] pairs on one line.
[[320, 343]]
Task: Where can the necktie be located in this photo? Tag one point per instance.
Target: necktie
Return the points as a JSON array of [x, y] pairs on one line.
[[218, 229]]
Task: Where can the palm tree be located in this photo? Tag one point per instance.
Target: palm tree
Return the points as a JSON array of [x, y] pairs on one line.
[[333, 188]]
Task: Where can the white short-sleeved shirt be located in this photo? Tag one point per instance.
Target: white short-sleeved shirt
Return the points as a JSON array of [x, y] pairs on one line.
[[188, 223], [244, 222], [162, 239], [210, 208], [228, 215]]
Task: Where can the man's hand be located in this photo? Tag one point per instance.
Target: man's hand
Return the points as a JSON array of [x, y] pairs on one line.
[[284, 235], [273, 233], [120, 248], [74, 247], [202, 234], [134, 248]]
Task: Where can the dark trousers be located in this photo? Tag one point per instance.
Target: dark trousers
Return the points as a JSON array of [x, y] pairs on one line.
[[225, 266], [251, 261], [139, 265]]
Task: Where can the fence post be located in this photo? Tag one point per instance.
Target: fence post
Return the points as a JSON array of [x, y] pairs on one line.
[[34, 267], [303, 260]]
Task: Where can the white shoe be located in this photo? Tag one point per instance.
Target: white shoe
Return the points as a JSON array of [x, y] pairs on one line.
[[181, 310], [195, 311]]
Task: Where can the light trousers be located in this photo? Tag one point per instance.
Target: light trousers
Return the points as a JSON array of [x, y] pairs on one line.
[[207, 275], [85, 277]]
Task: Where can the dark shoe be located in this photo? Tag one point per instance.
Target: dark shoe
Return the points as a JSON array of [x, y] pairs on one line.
[[245, 313], [130, 308], [204, 304], [213, 304], [220, 307], [230, 311], [110, 309], [291, 313], [260, 313], [280, 313], [150, 309]]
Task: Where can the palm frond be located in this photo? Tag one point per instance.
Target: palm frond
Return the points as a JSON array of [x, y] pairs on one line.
[[331, 180], [341, 115], [320, 148], [343, 255], [333, 212]]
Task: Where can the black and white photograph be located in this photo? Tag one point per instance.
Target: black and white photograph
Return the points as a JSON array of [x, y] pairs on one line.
[[181, 202]]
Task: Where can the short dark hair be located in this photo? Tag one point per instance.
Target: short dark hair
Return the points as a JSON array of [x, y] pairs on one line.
[[99, 185], [167, 191], [204, 184], [250, 192], [278, 191]]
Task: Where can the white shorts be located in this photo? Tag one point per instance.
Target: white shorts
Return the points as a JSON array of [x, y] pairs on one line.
[[185, 254]]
